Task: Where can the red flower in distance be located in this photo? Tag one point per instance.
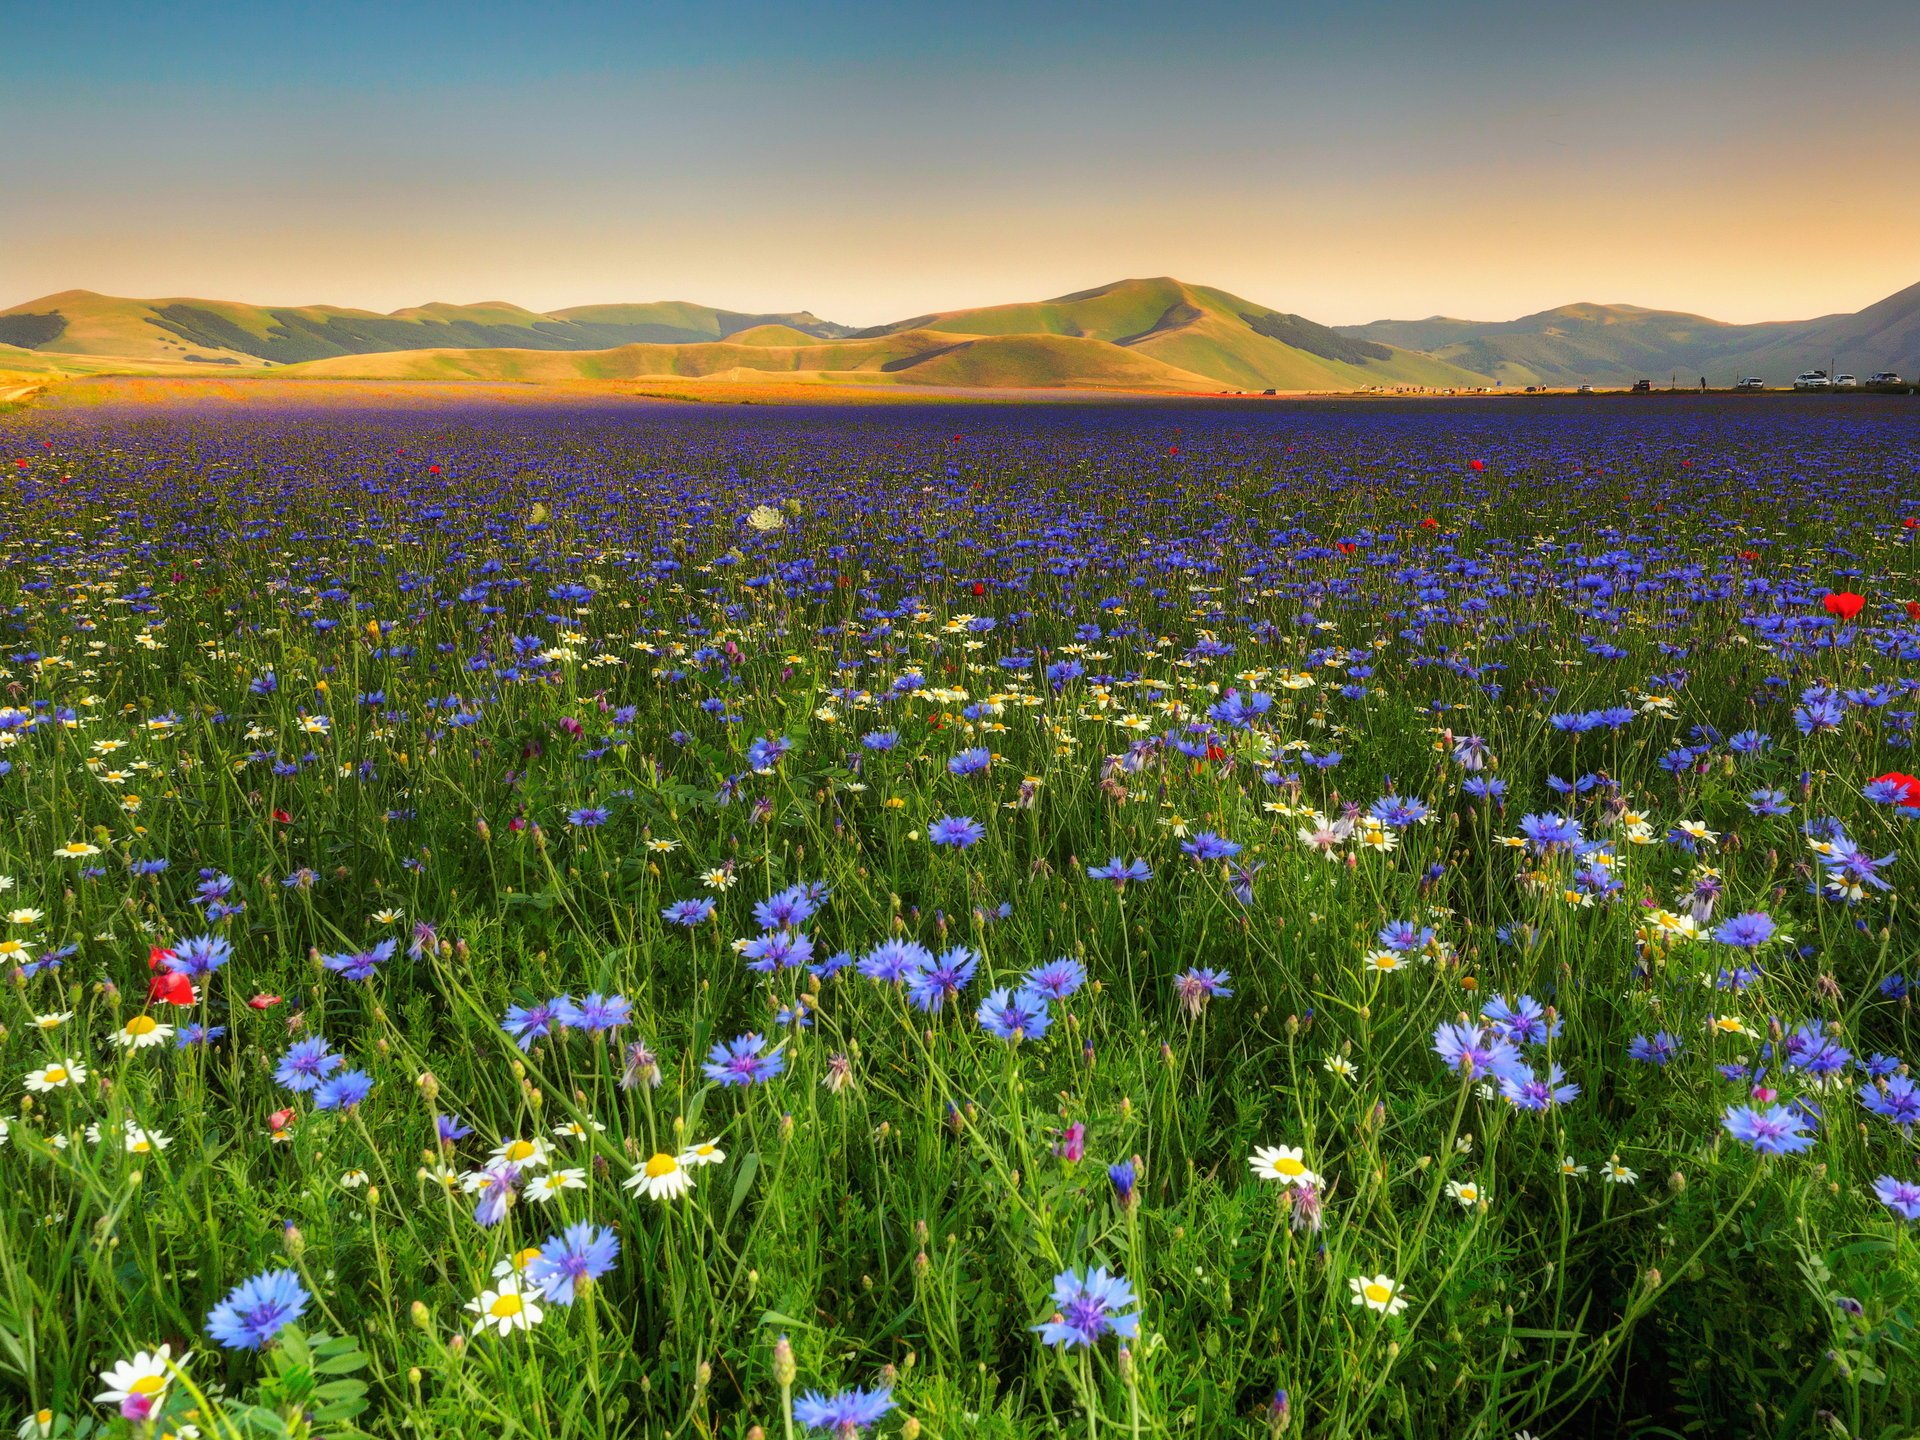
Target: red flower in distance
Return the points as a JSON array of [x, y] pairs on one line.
[[1913, 609], [1429, 523], [1476, 464], [264, 1001], [1844, 603]]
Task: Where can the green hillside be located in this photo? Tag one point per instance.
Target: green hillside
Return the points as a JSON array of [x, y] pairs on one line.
[[79, 322], [1620, 343]]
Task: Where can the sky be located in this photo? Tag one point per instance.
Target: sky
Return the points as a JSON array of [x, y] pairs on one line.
[[868, 162]]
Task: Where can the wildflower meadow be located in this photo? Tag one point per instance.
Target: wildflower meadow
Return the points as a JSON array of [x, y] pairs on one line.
[[1342, 919]]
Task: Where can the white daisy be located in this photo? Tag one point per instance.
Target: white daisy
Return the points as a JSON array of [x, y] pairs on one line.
[[52, 1077], [145, 1376], [708, 1152], [543, 1188], [1380, 1293], [507, 1309], [142, 1032], [663, 1177], [1284, 1163]]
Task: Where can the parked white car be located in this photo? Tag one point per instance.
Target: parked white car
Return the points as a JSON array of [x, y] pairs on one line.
[[1885, 377], [1846, 381], [1751, 382], [1812, 380]]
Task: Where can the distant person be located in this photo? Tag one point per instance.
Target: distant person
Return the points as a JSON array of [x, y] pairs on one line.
[[1703, 384]]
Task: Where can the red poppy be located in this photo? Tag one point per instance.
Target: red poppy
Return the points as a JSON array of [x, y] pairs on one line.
[[1908, 786], [1476, 464], [1844, 603], [169, 988], [1345, 547], [19, 464], [158, 955], [1913, 609], [264, 1001], [1910, 523], [1173, 449], [1429, 523], [1749, 554], [280, 1119], [978, 588], [433, 469], [283, 817]]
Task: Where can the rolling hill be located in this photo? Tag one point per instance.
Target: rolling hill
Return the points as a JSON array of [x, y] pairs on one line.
[[223, 332], [1620, 343], [1159, 334]]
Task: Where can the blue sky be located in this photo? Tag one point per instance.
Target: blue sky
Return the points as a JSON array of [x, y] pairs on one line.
[[1347, 162]]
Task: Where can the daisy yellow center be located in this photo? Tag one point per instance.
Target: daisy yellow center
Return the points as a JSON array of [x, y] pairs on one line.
[[1287, 1165], [661, 1164], [1377, 1293], [142, 1147], [148, 1385], [56, 1075], [1388, 962], [142, 1025], [524, 1258], [519, 1149], [504, 1307]]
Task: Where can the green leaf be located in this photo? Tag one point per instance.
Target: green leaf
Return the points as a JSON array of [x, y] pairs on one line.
[[744, 1181]]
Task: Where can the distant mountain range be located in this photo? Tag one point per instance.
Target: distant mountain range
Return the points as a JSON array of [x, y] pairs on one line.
[[1154, 335]]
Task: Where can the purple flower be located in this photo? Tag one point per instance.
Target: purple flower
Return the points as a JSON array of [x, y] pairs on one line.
[[740, 1062], [1900, 1196], [1087, 1307], [1011, 1017], [1057, 979], [343, 1091], [1196, 987], [596, 1014], [1656, 1051], [585, 1251], [956, 831], [1896, 1098], [1775, 1130], [1474, 1050], [1121, 872], [256, 1310], [306, 1063], [1205, 845], [1748, 931], [528, 1023], [361, 964], [930, 986], [893, 960], [688, 912], [844, 1415]]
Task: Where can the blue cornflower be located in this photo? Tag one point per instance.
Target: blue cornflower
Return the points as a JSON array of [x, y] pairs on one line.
[[1088, 1306], [199, 956], [1524, 1022], [256, 1310], [970, 762], [584, 1251], [449, 1130], [1475, 1050], [893, 960], [194, 1033], [1768, 802], [739, 1062], [1057, 979], [1403, 936], [1897, 1098], [688, 912], [588, 817], [1658, 1050], [958, 831], [1550, 832], [931, 986], [1526, 1091], [844, 1415], [1485, 789], [343, 1091], [1775, 1130], [1398, 811], [765, 753], [1121, 872], [1748, 931], [1205, 845], [528, 1023], [1123, 1177], [1902, 1197], [1011, 1017], [306, 1063], [1749, 742], [595, 1014], [881, 740], [790, 909], [361, 964], [777, 950], [1195, 987]]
